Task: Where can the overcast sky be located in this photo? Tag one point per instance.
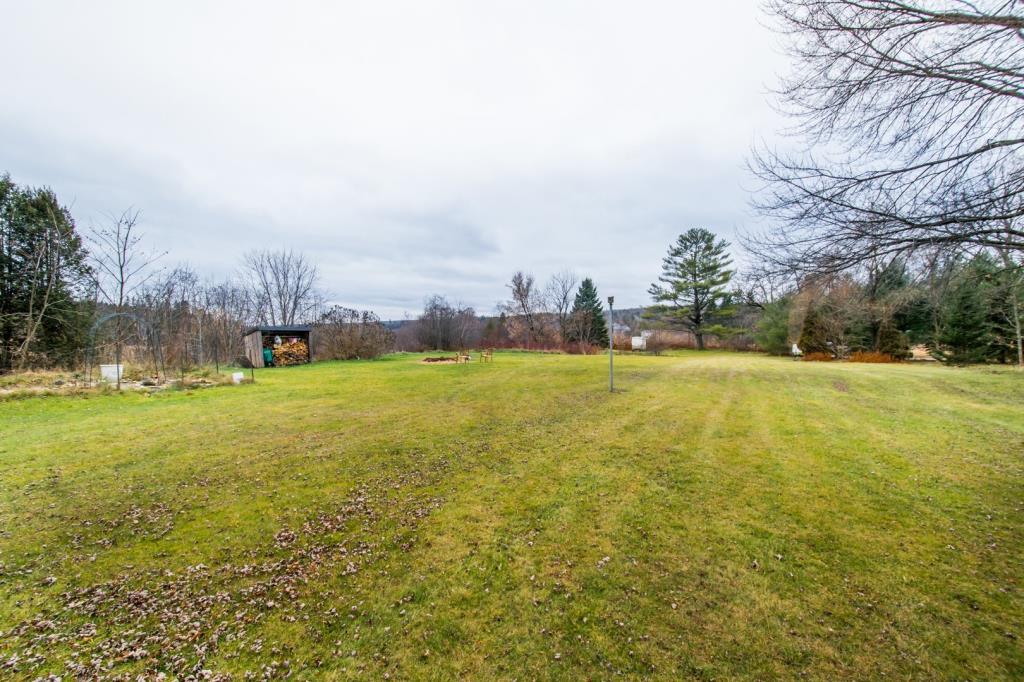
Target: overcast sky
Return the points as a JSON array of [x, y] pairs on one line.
[[408, 148]]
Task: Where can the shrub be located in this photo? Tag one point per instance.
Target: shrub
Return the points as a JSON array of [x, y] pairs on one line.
[[658, 343], [818, 357], [622, 342], [892, 342], [346, 334], [131, 373], [772, 331]]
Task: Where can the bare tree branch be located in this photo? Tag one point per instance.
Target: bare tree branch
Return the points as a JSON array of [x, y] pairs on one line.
[[283, 285], [913, 115]]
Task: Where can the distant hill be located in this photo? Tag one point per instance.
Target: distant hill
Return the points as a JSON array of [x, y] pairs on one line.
[[627, 316]]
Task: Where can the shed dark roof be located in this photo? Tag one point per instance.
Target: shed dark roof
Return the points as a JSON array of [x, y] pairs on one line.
[[279, 329]]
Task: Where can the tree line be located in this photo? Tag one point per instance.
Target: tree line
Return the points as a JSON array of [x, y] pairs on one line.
[[898, 220], [962, 309], [68, 298], [565, 313], [896, 223], [962, 306]]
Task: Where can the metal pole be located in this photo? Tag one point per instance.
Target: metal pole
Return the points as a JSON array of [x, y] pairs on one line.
[[611, 345]]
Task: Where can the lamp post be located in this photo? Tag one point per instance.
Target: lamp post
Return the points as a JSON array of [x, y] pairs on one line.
[[611, 345]]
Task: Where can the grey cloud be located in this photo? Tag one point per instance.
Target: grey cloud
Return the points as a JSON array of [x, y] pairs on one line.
[[407, 157]]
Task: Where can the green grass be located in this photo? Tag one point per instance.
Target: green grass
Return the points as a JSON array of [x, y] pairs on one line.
[[723, 516]]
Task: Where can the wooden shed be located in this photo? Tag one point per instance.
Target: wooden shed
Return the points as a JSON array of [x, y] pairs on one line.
[[288, 343]]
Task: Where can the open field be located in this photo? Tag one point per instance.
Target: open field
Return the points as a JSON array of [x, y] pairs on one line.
[[724, 516]]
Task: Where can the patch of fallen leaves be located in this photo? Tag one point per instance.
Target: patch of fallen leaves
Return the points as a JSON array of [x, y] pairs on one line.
[[167, 624]]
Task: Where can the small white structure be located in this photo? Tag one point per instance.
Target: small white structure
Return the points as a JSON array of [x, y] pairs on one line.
[[796, 352], [111, 373], [237, 377], [639, 343]]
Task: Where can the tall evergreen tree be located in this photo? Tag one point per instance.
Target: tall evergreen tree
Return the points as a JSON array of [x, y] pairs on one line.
[[694, 276], [889, 298], [998, 299], [43, 272], [965, 334], [587, 323]]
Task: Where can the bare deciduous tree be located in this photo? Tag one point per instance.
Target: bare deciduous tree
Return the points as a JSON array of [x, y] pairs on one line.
[[760, 286], [172, 306], [559, 295], [122, 266], [915, 113], [228, 307], [443, 326], [524, 309], [283, 285]]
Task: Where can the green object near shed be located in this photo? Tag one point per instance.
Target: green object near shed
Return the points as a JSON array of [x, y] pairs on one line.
[[259, 343]]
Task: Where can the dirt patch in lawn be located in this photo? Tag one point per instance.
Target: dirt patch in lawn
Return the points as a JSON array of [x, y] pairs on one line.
[[445, 360]]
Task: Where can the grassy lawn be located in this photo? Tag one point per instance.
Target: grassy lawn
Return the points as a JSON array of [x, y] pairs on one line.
[[724, 516]]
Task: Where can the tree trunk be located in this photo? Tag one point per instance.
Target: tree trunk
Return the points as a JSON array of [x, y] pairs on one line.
[[700, 340], [1015, 307], [119, 342], [117, 361], [36, 320], [1017, 330]]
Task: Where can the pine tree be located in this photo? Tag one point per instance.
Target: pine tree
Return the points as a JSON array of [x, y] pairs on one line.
[[587, 317], [772, 331], [965, 328], [889, 296], [43, 276], [693, 279]]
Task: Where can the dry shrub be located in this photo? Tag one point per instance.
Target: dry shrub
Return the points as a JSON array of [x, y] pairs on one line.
[[818, 357], [658, 343], [347, 334], [582, 348], [872, 356], [622, 342]]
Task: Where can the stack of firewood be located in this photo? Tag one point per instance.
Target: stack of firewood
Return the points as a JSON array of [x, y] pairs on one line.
[[291, 353]]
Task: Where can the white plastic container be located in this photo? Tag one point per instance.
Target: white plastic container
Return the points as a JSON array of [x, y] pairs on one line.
[[111, 373], [237, 377]]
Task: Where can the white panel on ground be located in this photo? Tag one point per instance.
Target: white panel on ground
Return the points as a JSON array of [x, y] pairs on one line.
[[111, 372]]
